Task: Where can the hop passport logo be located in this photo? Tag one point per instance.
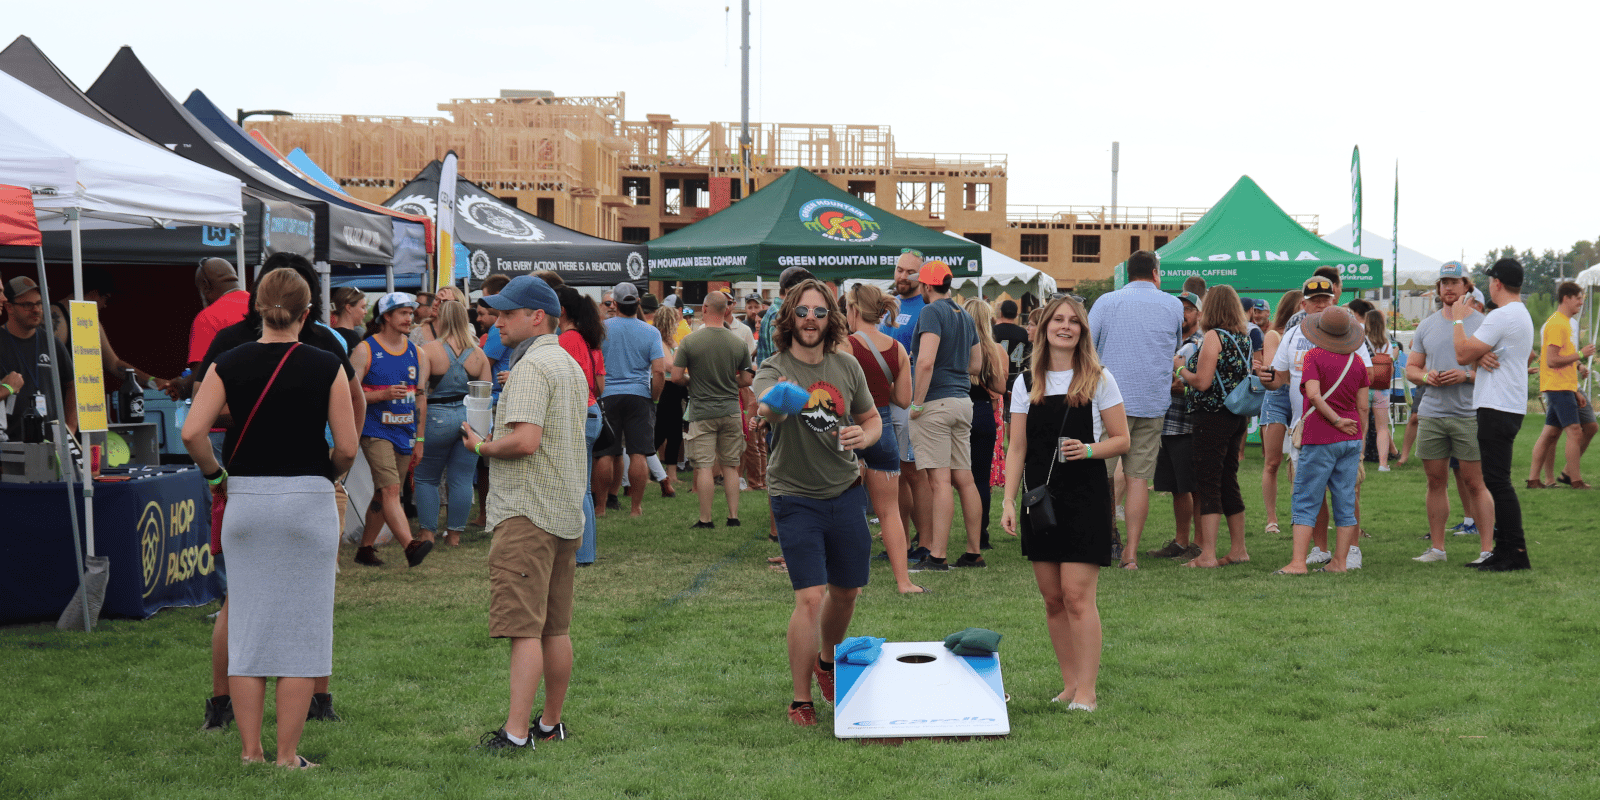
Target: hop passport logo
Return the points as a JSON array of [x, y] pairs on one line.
[[163, 558], [839, 221]]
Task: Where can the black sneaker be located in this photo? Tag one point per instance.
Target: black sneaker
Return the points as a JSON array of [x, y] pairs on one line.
[[557, 735], [970, 560], [1483, 562], [219, 712], [322, 708], [916, 554], [883, 556], [417, 550], [703, 524], [733, 522], [927, 564], [612, 503], [1510, 562], [498, 744], [368, 556]]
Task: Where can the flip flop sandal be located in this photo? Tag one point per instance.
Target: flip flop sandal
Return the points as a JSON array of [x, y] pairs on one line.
[[1580, 484], [302, 763], [1130, 565], [775, 560], [778, 567], [1272, 527]]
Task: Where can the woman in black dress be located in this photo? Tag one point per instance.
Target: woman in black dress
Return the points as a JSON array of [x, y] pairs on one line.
[[1080, 422]]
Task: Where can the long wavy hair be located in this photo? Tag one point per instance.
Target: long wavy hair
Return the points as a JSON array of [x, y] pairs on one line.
[[667, 319], [983, 317], [1221, 310], [453, 327], [783, 331], [584, 315], [1377, 330], [1287, 305], [1086, 367]]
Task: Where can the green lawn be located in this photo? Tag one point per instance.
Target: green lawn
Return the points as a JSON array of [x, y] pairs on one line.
[[1401, 680]]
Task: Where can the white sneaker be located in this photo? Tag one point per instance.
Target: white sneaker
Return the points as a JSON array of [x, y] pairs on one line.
[[1353, 560], [1383, 469], [1481, 556], [1318, 556], [1433, 555], [744, 485]]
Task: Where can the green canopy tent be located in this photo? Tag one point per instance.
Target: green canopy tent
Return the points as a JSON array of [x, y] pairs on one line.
[[801, 220], [1247, 242]]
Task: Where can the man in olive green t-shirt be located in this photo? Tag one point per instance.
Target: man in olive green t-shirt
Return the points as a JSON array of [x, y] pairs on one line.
[[714, 364]]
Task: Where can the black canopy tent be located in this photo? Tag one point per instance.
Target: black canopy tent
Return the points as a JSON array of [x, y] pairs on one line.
[[273, 223], [499, 237]]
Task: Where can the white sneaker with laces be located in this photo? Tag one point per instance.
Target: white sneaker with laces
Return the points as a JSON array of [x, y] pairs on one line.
[[1481, 556], [1434, 555], [1318, 556], [1353, 560]]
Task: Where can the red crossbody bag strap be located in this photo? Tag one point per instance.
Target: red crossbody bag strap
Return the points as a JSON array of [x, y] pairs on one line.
[[246, 428]]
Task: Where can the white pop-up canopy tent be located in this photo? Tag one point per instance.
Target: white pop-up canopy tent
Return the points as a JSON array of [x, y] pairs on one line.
[[1589, 279], [1416, 267], [84, 174], [1000, 273], [80, 172]]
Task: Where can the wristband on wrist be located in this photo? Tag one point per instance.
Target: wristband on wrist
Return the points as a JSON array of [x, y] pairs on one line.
[[913, 407], [1460, 322], [477, 449], [1088, 450], [217, 477]]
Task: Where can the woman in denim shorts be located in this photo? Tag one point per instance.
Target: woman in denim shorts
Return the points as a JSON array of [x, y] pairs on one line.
[[881, 472], [1275, 411]]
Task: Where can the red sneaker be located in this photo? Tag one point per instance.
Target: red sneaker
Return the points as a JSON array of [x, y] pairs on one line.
[[824, 681], [804, 716]]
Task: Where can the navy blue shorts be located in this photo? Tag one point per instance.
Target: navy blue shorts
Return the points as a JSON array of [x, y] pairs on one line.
[[884, 456], [825, 541], [1561, 409]]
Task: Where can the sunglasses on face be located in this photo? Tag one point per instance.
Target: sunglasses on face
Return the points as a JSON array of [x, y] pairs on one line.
[[608, 303], [815, 312]]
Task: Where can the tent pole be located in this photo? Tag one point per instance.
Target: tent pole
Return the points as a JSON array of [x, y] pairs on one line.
[[77, 253], [325, 272], [63, 458], [238, 253]]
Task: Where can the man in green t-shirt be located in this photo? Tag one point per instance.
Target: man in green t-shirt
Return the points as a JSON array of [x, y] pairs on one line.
[[813, 478], [714, 364]]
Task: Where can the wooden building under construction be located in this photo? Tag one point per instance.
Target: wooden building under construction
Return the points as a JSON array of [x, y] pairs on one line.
[[580, 162]]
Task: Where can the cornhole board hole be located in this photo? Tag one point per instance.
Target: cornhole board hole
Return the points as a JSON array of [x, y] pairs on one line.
[[920, 690]]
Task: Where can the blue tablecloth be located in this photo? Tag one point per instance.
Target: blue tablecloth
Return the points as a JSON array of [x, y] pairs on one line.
[[155, 531]]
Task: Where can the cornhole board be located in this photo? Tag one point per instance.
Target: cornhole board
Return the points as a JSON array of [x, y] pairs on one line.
[[919, 690]]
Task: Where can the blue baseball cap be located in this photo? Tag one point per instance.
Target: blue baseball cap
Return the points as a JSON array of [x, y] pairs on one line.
[[526, 291], [1452, 269], [394, 300]]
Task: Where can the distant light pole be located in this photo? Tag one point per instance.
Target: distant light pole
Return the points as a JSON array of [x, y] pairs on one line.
[[265, 112]]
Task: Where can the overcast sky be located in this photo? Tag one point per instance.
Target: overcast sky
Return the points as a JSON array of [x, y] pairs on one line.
[[1485, 108]]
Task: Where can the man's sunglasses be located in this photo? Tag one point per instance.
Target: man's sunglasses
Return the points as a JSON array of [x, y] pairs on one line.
[[815, 312], [1076, 298]]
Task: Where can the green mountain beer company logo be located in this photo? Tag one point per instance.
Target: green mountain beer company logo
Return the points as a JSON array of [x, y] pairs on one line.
[[839, 221]]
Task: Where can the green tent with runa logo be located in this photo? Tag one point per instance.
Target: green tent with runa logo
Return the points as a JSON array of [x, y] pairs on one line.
[[801, 220], [1247, 242]]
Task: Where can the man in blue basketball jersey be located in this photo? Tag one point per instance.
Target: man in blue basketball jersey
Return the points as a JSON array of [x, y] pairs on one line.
[[389, 365]]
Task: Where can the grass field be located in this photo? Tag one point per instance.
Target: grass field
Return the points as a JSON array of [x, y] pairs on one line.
[[1401, 680]]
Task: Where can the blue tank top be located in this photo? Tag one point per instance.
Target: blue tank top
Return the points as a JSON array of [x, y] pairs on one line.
[[392, 420], [454, 380]]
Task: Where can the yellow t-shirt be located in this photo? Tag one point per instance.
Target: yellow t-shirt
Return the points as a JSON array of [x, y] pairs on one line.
[[1557, 332], [683, 329]]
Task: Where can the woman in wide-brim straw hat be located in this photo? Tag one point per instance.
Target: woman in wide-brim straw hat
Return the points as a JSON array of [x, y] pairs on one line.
[[1334, 384]]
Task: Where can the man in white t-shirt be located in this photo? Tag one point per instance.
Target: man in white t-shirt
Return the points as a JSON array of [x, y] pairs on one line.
[[1317, 293], [1501, 398]]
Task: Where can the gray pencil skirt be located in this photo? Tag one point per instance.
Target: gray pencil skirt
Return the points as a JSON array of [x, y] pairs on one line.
[[281, 537]]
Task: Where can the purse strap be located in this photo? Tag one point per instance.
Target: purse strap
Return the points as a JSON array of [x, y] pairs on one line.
[[1066, 408], [1243, 356], [246, 429], [882, 364]]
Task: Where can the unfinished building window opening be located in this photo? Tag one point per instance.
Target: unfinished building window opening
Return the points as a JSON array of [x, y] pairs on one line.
[[510, 201], [545, 208], [1035, 248], [635, 235], [976, 197], [865, 191], [672, 196], [1133, 244], [985, 239], [1160, 242], [638, 189], [911, 196], [1085, 248], [697, 192]]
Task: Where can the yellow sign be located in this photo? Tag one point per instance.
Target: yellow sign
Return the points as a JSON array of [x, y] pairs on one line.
[[90, 392]]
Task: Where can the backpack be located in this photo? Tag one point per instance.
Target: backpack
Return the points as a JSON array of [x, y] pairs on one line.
[[1384, 364]]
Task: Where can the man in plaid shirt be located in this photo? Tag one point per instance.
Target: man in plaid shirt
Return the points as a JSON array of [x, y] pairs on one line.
[[1174, 465], [535, 507]]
